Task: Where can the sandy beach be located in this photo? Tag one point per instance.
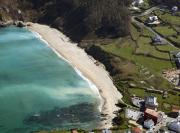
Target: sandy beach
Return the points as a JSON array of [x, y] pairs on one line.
[[80, 60]]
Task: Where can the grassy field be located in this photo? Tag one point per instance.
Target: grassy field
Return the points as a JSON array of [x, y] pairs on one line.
[[150, 61], [129, 50], [174, 39], [165, 31], [163, 102], [169, 27], [167, 17]]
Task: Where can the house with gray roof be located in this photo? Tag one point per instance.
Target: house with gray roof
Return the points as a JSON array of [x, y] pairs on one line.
[[151, 102], [149, 123], [174, 126]]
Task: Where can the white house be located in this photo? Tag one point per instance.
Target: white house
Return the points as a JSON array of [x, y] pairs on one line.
[[153, 18], [137, 2], [174, 9], [151, 102]]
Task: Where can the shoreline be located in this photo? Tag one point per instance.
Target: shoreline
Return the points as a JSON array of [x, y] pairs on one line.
[[81, 62], [91, 85]]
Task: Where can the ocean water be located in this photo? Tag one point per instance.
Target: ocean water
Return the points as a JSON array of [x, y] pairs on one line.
[[39, 90]]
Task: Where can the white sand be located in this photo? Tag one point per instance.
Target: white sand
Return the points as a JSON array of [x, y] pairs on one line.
[[79, 59]]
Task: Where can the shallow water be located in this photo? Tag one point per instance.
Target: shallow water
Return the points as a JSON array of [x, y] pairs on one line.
[[38, 90]]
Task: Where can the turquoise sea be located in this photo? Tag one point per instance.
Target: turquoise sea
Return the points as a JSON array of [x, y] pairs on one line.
[[39, 90]]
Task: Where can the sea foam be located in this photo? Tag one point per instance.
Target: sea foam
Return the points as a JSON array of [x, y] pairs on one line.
[[91, 85]]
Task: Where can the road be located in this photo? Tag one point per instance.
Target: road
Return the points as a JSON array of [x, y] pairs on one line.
[[142, 25]]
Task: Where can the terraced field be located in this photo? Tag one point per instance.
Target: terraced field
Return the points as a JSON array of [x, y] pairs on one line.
[[150, 61]]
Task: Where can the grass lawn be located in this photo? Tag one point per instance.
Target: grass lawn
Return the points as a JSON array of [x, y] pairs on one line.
[[127, 49], [145, 47], [168, 17], [165, 31], [143, 18], [147, 33], [155, 65], [175, 39], [134, 31], [167, 48], [164, 103]]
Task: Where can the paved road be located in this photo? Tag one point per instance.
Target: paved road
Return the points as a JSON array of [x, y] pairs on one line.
[[161, 7]]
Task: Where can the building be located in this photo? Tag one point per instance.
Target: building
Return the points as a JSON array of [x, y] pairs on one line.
[[153, 115], [136, 130], [174, 126], [139, 102], [137, 3], [174, 9], [133, 114], [106, 131], [158, 40], [151, 102], [177, 55], [149, 123], [177, 61], [74, 131], [153, 20], [175, 112]]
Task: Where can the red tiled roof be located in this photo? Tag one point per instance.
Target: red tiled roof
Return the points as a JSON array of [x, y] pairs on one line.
[[175, 108], [136, 130], [74, 131], [152, 112]]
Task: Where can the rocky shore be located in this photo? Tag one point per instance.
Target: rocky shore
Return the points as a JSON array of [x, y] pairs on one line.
[[16, 23]]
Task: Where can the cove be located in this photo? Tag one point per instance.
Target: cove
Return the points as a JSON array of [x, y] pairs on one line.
[[39, 90]]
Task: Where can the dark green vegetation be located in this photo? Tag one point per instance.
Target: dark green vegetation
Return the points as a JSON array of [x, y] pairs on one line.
[[79, 18], [168, 2]]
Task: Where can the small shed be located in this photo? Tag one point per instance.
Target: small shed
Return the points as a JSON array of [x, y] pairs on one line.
[[137, 2], [106, 131], [157, 40], [174, 9], [153, 18], [177, 55], [177, 61]]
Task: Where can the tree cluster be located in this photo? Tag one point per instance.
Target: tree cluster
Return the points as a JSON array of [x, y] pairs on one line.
[[104, 18]]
